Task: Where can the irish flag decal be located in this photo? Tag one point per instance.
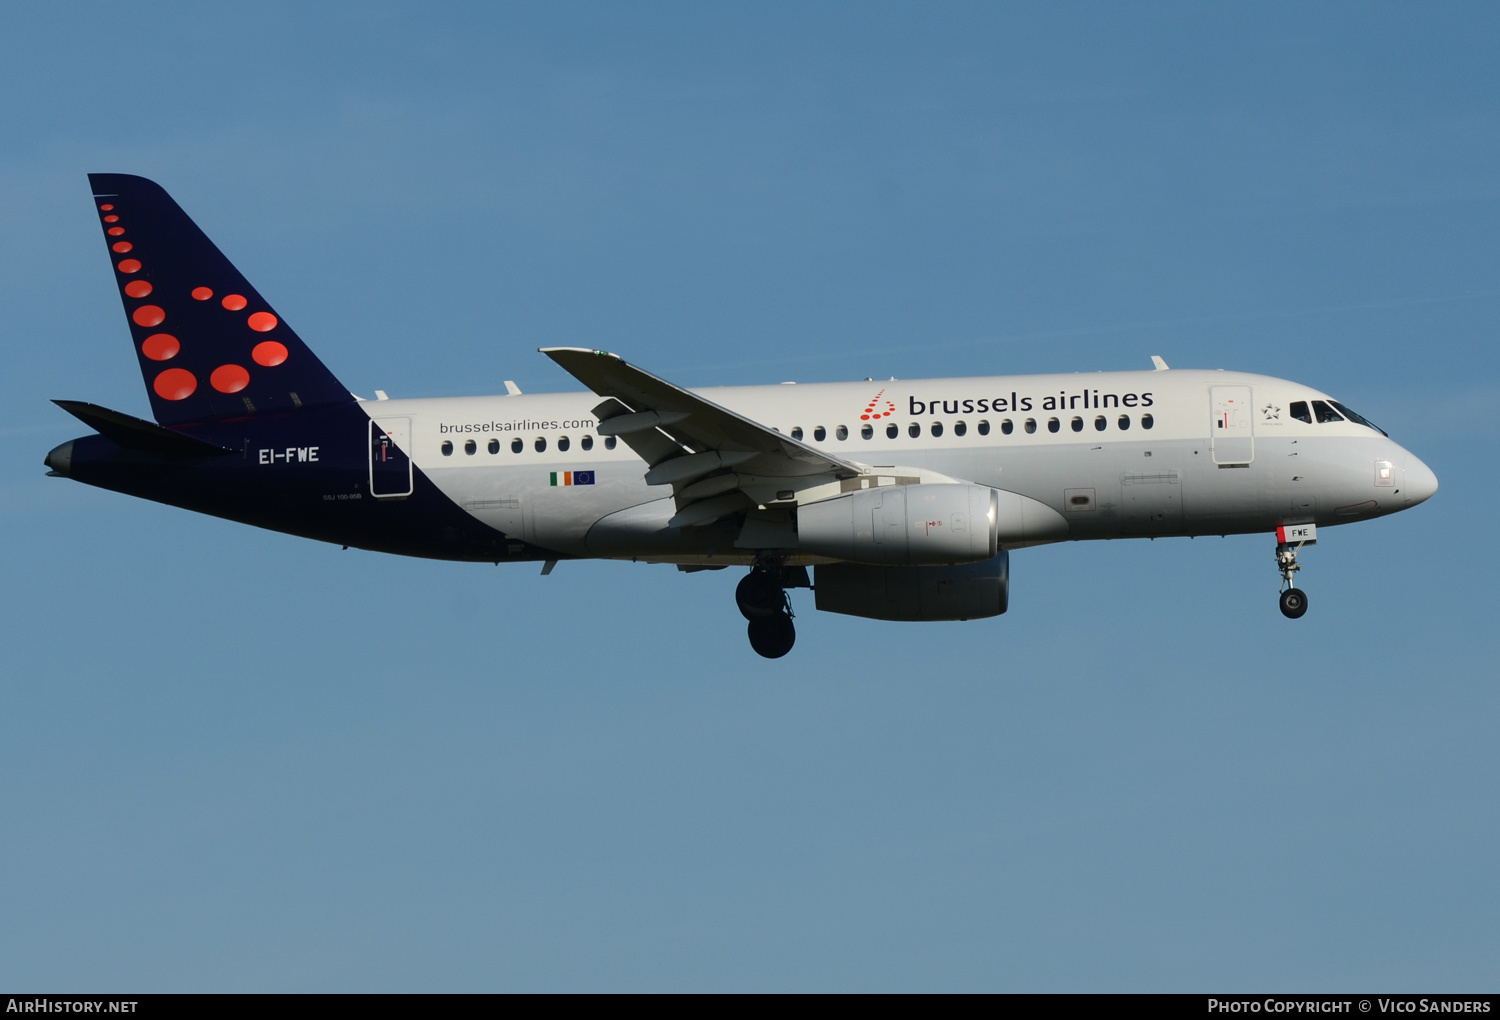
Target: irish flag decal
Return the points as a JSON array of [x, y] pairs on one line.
[[572, 478]]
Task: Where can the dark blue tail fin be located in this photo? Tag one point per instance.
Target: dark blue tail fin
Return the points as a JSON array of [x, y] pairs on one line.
[[209, 345]]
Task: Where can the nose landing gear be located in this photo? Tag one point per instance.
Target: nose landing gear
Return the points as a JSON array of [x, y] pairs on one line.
[[1293, 599], [762, 599]]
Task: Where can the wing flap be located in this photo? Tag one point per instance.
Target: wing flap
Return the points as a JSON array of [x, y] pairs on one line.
[[706, 452]]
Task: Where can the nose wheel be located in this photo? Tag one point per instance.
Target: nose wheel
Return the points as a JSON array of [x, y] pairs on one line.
[[763, 601], [1293, 603], [1293, 599]]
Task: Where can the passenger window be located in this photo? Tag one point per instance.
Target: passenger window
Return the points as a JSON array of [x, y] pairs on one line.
[[1124, 423], [494, 446], [1030, 425], [1053, 424], [820, 434], [1100, 423], [1007, 426], [867, 432], [842, 433], [1300, 411], [516, 446], [797, 433], [447, 448], [563, 444], [914, 430], [541, 444], [609, 442], [1147, 421], [937, 429], [1077, 423], [984, 428], [959, 428], [1325, 413], [892, 430], [470, 447], [587, 442]]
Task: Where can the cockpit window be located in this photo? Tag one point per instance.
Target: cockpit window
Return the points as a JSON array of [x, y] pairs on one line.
[[1325, 413], [1300, 412], [1358, 418]]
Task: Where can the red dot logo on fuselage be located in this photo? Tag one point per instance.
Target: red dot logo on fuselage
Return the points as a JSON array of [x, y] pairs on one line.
[[872, 410]]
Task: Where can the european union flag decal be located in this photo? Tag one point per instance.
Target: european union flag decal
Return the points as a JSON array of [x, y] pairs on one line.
[[583, 478], [572, 478]]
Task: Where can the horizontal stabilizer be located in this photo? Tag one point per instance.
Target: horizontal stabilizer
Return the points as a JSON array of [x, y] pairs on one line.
[[138, 434]]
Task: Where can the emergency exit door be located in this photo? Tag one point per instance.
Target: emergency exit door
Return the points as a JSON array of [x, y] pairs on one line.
[[390, 467], [1231, 434]]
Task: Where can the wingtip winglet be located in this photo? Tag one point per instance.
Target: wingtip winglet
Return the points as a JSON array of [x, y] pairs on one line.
[[551, 352]]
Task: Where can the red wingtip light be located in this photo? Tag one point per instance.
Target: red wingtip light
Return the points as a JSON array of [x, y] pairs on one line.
[[234, 302], [129, 266], [148, 316], [202, 293], [111, 219], [107, 207], [229, 378], [116, 231], [137, 288], [122, 246], [160, 347], [175, 384], [262, 322], [269, 353]]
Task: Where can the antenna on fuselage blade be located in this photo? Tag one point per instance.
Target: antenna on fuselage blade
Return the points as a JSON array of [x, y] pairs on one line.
[[1161, 366]]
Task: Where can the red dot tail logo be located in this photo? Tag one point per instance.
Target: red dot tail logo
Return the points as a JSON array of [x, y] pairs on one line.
[[873, 411]]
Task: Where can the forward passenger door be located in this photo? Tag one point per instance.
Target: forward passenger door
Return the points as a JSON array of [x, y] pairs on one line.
[[1231, 434]]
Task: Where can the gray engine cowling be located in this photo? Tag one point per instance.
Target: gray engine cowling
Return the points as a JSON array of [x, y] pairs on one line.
[[903, 524], [965, 591]]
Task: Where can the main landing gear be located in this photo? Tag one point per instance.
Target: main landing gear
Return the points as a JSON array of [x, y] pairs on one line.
[[1293, 599], [761, 596]]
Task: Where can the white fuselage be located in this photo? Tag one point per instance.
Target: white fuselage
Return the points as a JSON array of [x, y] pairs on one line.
[[1180, 452]]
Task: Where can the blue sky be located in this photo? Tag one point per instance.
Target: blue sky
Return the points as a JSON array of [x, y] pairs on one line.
[[242, 761]]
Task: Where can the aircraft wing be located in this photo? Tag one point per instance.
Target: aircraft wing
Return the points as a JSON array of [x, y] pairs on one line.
[[709, 454]]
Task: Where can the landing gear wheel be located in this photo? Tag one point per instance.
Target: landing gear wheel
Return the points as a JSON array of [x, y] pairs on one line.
[[759, 597], [1293, 603], [772, 636]]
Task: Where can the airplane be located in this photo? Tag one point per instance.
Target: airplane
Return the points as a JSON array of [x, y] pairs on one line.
[[905, 498]]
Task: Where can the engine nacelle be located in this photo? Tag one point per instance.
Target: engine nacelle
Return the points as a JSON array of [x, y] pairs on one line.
[[903, 524], [966, 591]]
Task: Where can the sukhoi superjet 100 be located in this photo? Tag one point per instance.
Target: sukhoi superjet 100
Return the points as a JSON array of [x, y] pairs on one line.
[[894, 500]]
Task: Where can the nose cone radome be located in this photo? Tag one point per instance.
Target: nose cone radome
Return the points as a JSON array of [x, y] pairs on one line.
[[60, 460], [1421, 483]]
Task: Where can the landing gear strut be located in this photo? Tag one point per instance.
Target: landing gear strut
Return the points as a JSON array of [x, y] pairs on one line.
[[1293, 599], [761, 596]]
